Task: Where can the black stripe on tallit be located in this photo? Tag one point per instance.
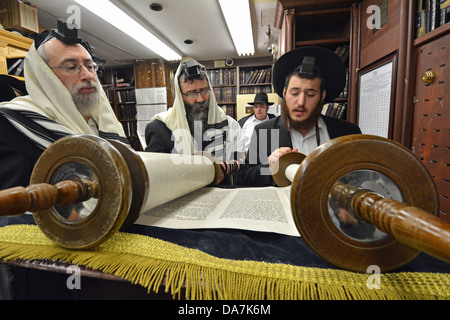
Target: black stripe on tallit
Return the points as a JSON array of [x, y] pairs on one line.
[[32, 126]]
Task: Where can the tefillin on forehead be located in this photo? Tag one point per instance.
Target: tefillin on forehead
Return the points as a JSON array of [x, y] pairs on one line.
[[66, 32], [192, 70], [307, 66]]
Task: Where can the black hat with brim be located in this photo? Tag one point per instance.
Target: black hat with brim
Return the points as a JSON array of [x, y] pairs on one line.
[[261, 97], [327, 60]]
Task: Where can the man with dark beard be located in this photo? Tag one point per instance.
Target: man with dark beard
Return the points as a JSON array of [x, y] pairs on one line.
[[305, 78], [196, 122], [64, 98]]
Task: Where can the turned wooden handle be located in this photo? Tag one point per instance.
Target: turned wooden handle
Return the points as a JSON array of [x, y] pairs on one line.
[[409, 225], [37, 197]]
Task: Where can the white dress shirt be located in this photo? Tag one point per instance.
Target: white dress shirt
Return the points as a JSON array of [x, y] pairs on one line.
[[248, 128], [306, 144]]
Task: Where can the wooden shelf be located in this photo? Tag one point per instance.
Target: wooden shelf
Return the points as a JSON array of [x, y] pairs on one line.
[[325, 24], [123, 100], [12, 46], [438, 32], [322, 42]]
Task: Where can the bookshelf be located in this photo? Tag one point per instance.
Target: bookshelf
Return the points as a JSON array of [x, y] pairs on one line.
[[118, 83], [430, 15], [326, 24], [255, 79], [229, 82], [224, 84]]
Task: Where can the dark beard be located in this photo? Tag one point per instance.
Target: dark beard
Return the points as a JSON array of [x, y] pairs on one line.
[[196, 118], [300, 125]]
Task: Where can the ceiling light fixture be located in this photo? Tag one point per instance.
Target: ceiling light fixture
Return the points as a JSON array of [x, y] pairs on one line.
[[115, 16], [237, 16]]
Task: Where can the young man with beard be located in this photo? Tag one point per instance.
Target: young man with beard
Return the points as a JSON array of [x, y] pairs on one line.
[[305, 78], [196, 123], [64, 98]]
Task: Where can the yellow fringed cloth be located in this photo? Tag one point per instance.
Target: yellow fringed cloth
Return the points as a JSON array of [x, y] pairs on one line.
[[150, 262]]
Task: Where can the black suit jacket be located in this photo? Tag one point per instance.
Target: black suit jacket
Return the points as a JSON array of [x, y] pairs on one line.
[[244, 119], [257, 158]]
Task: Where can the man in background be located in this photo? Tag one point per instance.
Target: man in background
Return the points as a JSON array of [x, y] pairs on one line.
[[260, 113]]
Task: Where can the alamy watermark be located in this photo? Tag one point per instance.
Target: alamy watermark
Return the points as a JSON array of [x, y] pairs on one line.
[[74, 280], [374, 281], [374, 20], [74, 19]]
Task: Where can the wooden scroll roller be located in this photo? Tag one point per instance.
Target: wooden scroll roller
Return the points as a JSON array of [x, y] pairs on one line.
[[362, 200], [83, 188]]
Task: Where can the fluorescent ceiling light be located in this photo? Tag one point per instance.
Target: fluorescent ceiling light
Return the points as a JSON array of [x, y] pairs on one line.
[[112, 14], [237, 16]]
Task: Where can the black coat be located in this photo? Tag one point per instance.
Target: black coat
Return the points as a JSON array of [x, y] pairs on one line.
[[250, 175], [18, 155], [244, 119]]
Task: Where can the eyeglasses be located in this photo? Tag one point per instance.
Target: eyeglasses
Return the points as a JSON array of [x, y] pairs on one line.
[[76, 68], [193, 95]]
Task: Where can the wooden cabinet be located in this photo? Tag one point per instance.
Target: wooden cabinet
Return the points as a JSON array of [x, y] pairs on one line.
[[155, 73], [327, 24], [119, 86], [13, 49], [431, 111]]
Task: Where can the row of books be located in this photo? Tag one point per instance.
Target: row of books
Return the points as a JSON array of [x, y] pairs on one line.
[[130, 128], [343, 51], [123, 96], [344, 93], [255, 76], [229, 110], [127, 111], [431, 14], [109, 94], [126, 96], [221, 77], [335, 109], [250, 89], [225, 94]]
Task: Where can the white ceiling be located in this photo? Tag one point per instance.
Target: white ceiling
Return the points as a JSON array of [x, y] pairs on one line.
[[198, 20]]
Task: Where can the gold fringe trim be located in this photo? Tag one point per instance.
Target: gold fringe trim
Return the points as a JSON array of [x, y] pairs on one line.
[[151, 263]]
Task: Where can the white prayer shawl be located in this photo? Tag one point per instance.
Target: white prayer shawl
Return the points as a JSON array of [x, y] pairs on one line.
[[50, 104], [218, 122]]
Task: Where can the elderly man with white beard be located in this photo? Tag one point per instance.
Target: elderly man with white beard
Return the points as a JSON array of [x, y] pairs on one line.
[[196, 123], [64, 98]]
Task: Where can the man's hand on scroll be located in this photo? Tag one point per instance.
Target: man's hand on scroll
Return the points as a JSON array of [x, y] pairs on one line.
[[274, 156]]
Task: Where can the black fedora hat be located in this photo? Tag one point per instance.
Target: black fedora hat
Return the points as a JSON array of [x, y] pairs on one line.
[[327, 60], [261, 97]]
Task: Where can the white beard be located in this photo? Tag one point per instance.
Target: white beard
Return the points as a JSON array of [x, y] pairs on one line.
[[85, 102]]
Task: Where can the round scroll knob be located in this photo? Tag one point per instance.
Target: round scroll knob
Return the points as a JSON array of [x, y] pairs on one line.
[[428, 76]]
